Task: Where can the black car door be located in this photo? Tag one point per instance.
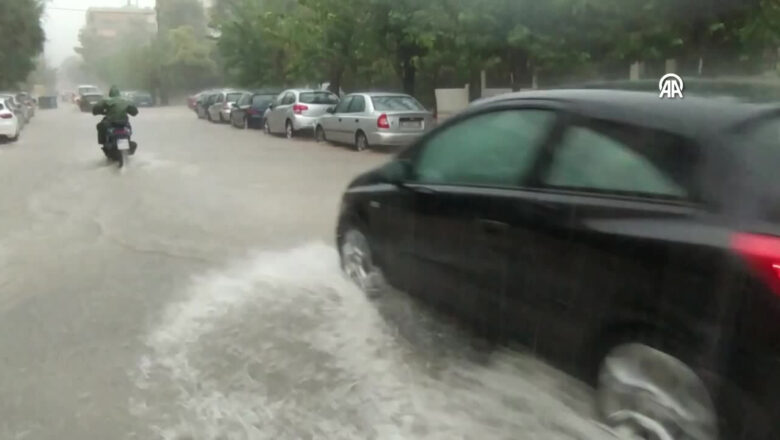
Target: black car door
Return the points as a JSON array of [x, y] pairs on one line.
[[460, 181], [601, 216]]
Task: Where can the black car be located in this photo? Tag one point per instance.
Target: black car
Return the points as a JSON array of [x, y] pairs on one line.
[[141, 98], [204, 101], [629, 240], [249, 110], [88, 100]]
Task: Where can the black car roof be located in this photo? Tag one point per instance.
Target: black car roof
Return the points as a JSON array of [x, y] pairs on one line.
[[690, 116]]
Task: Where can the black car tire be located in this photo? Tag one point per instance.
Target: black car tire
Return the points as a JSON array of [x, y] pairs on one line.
[[361, 141], [735, 416], [357, 262], [289, 131], [319, 134]]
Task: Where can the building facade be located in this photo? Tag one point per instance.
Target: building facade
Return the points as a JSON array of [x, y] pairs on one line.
[[112, 22]]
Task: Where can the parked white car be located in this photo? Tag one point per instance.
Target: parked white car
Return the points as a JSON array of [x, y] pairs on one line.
[[9, 122], [374, 119], [295, 110]]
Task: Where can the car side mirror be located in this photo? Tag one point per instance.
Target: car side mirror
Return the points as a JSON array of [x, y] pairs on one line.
[[271, 106], [396, 172], [331, 110]]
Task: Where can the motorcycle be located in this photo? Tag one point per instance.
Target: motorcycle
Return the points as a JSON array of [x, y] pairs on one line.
[[119, 147]]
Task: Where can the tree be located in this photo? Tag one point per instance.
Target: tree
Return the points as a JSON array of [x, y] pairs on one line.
[[22, 40]]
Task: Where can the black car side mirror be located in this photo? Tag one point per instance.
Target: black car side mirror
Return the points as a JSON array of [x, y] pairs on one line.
[[396, 172]]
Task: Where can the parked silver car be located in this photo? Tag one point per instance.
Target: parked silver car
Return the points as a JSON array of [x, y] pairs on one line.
[[374, 119], [298, 109], [222, 105]]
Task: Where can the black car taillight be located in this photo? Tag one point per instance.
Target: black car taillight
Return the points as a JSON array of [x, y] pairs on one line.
[[762, 253]]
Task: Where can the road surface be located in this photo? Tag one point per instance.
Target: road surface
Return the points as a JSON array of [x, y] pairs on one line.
[[196, 295]]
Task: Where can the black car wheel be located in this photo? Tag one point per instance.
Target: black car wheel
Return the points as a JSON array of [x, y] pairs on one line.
[[361, 142], [646, 393], [288, 130], [319, 134], [358, 263]]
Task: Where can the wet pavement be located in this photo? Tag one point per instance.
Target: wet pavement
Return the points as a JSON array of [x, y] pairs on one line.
[[196, 295]]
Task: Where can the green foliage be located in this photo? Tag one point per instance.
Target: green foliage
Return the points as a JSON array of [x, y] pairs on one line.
[[417, 46], [22, 42]]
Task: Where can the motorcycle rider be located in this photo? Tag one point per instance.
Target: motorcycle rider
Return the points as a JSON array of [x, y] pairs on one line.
[[115, 108]]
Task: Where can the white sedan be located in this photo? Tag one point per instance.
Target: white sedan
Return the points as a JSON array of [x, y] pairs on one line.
[[9, 123]]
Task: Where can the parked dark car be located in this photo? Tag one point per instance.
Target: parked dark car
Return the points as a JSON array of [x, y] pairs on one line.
[[141, 98], [249, 110], [629, 240], [88, 100], [205, 100]]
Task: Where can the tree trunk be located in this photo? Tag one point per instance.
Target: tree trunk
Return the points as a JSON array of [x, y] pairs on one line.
[[520, 71], [409, 76], [335, 80]]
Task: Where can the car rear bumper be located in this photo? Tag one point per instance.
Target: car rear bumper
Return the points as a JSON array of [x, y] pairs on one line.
[[8, 128], [393, 139], [304, 122], [256, 121]]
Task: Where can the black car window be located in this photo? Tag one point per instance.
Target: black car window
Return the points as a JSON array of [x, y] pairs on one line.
[[389, 103], [261, 100], [343, 105], [760, 153], [604, 157], [326, 98], [358, 104], [496, 149]]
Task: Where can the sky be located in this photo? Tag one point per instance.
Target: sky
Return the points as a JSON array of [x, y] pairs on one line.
[[63, 20]]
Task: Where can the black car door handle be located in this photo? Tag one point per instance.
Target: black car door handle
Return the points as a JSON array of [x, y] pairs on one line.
[[492, 226]]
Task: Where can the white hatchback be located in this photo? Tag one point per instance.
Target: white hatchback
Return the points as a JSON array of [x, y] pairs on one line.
[[9, 123]]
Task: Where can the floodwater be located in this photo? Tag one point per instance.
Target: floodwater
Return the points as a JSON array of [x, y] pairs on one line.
[[197, 295]]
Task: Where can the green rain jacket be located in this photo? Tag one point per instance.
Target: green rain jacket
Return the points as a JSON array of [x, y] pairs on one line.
[[115, 108]]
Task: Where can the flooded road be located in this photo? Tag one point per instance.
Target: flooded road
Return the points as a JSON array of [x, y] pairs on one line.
[[197, 295]]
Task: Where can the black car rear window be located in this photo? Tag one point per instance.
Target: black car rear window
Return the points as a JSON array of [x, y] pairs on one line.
[[390, 103], [262, 100], [319, 98], [762, 160]]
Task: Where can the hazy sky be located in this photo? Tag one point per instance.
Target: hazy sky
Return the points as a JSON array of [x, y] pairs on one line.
[[63, 20]]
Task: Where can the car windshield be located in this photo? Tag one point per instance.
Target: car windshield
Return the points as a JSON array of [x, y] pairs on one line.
[[318, 98], [391, 103]]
